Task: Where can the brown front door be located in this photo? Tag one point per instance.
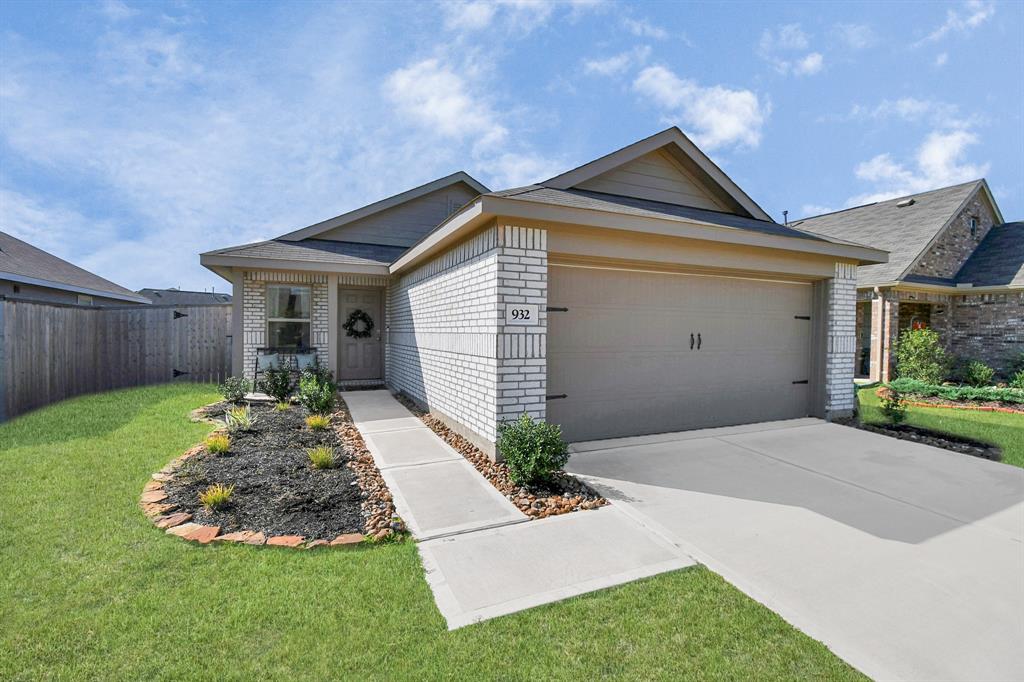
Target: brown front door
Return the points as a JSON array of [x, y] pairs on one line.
[[360, 358]]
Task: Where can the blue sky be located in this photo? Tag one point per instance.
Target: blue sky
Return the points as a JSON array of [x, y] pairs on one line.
[[135, 135]]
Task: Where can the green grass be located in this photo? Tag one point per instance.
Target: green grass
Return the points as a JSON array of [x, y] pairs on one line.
[[90, 590], [999, 428]]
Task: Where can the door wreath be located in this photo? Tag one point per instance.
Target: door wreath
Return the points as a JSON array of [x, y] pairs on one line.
[[352, 325]]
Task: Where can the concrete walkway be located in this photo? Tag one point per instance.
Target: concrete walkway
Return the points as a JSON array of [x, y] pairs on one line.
[[483, 557]]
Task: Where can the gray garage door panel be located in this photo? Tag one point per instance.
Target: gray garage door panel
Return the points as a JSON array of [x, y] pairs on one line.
[[621, 353]]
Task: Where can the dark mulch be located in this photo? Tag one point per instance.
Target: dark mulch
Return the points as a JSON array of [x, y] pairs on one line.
[[277, 491], [934, 438]]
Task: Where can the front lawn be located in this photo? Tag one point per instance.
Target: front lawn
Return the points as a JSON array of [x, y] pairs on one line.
[[999, 428], [89, 589]]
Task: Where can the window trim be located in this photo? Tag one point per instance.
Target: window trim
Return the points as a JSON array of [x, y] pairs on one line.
[[267, 320]]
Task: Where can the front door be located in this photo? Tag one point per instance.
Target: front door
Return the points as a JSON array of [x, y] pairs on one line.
[[360, 356]]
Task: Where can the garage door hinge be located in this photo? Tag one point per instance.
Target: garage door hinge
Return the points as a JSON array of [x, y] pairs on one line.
[[801, 317], [800, 382], [555, 309], [555, 397]]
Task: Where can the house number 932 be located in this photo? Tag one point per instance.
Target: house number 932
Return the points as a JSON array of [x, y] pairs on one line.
[[521, 314]]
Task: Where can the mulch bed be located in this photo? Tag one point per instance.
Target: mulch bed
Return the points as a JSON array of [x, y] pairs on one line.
[[976, 405], [563, 494], [278, 496], [939, 440]]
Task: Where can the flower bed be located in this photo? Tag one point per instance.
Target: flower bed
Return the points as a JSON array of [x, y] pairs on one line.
[[957, 397], [563, 494], [271, 491]]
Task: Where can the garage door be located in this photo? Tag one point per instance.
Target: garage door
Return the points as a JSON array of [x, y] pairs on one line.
[[635, 352]]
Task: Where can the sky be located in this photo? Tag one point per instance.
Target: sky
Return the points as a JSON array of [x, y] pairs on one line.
[[134, 136]]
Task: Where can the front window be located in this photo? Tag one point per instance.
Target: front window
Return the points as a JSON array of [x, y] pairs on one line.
[[288, 315]]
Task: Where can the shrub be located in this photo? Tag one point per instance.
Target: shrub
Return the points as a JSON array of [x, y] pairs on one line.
[[977, 373], [216, 496], [1017, 380], [318, 422], [316, 390], [239, 419], [282, 407], [958, 393], [1015, 365], [277, 383], [533, 451], [920, 356], [234, 389], [218, 443], [321, 457], [894, 406]]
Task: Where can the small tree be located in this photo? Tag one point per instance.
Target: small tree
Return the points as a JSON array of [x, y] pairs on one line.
[[919, 355], [894, 406], [533, 450]]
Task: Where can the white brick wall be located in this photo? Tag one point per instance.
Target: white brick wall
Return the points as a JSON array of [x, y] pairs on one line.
[[254, 312], [840, 398]]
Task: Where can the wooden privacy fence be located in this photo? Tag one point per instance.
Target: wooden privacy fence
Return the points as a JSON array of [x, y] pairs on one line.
[[49, 352]]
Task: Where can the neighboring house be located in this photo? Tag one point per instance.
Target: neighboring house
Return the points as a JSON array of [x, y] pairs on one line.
[[954, 266], [179, 297], [29, 273], [642, 292]]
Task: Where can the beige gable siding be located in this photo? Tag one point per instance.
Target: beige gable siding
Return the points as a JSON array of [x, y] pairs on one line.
[[405, 224], [955, 244], [655, 176]]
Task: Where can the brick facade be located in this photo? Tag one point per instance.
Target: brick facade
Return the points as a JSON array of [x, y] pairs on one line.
[[840, 398], [956, 244], [988, 327], [254, 312]]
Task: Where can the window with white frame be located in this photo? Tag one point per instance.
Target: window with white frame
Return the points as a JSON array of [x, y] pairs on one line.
[[288, 316], [974, 226]]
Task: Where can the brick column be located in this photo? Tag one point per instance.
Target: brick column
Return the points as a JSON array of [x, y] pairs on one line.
[[522, 350], [885, 328], [840, 398]]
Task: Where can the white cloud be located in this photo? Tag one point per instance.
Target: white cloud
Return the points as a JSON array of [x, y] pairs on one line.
[[617, 64], [644, 29], [116, 10], [809, 65], [777, 48], [938, 162], [941, 59], [48, 225], [808, 210], [517, 169], [855, 36], [152, 58], [521, 16], [940, 114], [973, 14], [714, 116], [468, 16]]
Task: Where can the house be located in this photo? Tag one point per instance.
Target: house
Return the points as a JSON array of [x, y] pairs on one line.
[[954, 266], [178, 297], [31, 274], [642, 292]]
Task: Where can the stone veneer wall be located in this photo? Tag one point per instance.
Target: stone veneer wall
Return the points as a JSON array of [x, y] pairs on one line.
[[254, 312], [954, 246], [448, 345], [840, 398]]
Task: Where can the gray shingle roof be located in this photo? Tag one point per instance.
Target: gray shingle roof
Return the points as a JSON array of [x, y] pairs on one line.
[[317, 251], [179, 297], [903, 232], [998, 260], [21, 259], [612, 203]]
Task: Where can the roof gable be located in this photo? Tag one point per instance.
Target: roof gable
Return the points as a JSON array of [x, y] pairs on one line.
[[998, 260], [665, 167], [396, 219]]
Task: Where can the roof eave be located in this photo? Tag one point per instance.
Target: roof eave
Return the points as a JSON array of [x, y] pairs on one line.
[[51, 284], [216, 262]]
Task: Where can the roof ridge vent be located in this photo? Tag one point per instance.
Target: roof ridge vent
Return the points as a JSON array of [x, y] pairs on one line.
[[903, 203]]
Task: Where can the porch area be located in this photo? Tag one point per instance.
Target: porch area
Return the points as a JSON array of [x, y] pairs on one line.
[[883, 315]]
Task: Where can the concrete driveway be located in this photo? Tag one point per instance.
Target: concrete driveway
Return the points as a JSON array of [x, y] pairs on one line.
[[906, 560]]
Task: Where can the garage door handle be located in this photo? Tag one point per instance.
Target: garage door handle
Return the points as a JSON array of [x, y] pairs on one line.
[[691, 341], [698, 341]]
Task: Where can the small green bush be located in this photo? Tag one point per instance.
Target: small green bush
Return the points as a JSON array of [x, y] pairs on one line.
[[239, 419], [321, 457], [277, 383], [318, 422], [218, 443], [533, 451], [977, 373], [958, 393], [919, 355], [1015, 365], [234, 389], [1017, 380], [317, 390], [282, 407], [216, 496], [894, 406]]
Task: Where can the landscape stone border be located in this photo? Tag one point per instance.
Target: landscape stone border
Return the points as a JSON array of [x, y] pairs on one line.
[[950, 405], [380, 522]]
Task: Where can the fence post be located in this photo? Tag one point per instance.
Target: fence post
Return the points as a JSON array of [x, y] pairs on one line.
[[3, 364]]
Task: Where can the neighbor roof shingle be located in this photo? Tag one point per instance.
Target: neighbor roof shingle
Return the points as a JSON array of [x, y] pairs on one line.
[[21, 259], [902, 231], [317, 251], [998, 260]]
